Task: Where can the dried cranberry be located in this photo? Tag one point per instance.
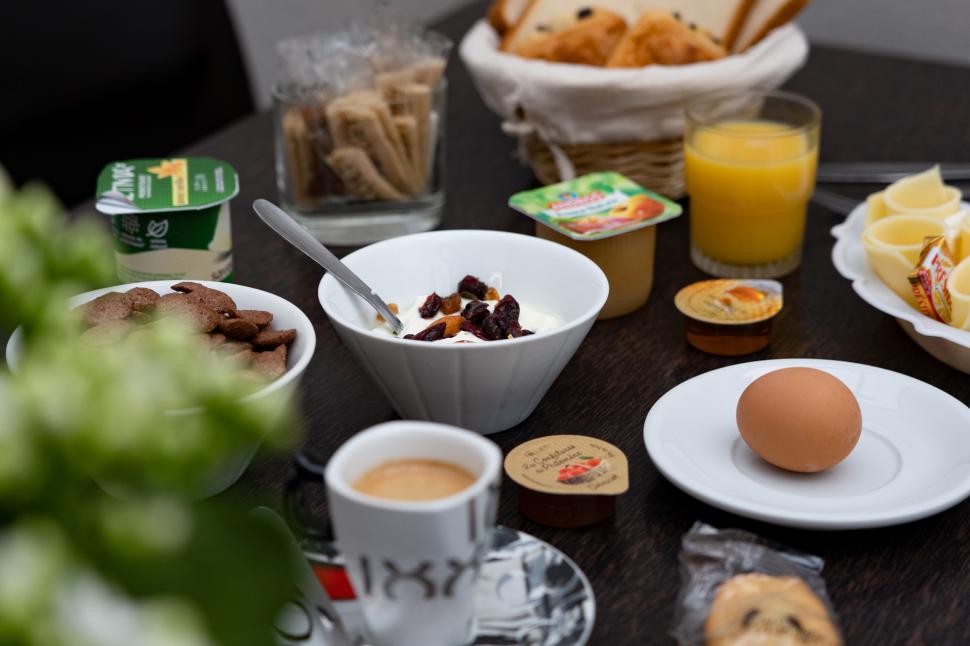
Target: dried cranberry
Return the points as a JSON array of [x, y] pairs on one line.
[[472, 286], [476, 311], [432, 333], [495, 327], [515, 330], [431, 306], [507, 308], [471, 328]]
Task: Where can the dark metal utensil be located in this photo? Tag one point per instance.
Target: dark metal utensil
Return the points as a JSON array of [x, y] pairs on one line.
[[290, 230], [880, 172]]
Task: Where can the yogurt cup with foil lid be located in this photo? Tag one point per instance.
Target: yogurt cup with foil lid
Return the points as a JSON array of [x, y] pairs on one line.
[[730, 316], [170, 217]]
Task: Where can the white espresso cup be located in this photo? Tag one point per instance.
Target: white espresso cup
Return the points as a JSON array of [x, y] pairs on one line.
[[414, 564]]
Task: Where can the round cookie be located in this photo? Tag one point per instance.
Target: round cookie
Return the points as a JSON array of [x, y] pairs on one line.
[[763, 610]]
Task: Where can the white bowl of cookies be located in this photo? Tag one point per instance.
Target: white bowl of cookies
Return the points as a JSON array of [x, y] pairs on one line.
[[262, 332], [546, 66]]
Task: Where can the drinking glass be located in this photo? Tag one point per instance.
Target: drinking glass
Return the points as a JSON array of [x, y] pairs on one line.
[[373, 172], [749, 163]]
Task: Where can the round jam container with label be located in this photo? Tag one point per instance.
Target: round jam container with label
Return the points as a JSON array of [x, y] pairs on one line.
[[169, 217], [609, 219], [567, 480], [729, 316]]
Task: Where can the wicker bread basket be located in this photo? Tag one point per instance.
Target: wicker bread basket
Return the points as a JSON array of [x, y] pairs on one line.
[[574, 119], [657, 165]]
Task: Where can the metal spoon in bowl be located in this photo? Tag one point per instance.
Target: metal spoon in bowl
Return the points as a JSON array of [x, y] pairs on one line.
[[290, 230]]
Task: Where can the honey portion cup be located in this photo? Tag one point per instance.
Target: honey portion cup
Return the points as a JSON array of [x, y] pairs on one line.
[[959, 287], [893, 246]]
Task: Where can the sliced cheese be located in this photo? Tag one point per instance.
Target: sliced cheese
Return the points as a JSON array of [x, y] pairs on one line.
[[763, 17], [959, 286], [923, 191], [876, 207], [893, 247], [921, 194], [962, 225]]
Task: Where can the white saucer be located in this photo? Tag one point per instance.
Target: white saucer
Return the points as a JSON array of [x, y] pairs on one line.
[[912, 460]]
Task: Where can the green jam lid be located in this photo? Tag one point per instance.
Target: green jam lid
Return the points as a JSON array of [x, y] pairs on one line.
[[171, 184], [595, 206]]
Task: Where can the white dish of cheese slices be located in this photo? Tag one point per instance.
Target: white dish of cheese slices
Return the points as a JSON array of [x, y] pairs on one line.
[[949, 344]]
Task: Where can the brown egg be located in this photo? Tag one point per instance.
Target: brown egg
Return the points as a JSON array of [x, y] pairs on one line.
[[800, 419]]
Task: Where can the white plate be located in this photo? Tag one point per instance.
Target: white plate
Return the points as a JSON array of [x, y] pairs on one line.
[[947, 343], [912, 460]]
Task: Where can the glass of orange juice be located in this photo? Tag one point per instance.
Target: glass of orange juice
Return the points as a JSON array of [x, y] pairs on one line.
[[749, 163]]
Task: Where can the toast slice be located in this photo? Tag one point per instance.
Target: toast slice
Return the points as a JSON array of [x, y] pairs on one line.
[[504, 14], [765, 16], [723, 19], [659, 38], [586, 37]]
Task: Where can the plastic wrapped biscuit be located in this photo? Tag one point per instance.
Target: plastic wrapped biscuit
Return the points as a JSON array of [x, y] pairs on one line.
[[763, 609], [738, 590]]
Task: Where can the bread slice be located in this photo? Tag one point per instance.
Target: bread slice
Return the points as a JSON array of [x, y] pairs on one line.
[[504, 14], [659, 38], [587, 37], [723, 19], [765, 16]]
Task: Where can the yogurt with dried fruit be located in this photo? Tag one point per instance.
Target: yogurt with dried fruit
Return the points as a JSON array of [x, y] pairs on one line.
[[473, 313], [530, 319]]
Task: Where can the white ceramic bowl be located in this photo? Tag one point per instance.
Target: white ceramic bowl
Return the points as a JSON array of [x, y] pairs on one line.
[[286, 316], [486, 387], [948, 344]]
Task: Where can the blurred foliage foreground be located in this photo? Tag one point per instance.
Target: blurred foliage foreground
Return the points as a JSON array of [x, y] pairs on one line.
[[154, 567]]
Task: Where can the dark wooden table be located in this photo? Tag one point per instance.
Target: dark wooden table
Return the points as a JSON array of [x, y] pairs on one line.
[[907, 584]]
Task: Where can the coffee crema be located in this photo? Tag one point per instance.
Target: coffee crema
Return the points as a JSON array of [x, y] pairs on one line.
[[414, 479]]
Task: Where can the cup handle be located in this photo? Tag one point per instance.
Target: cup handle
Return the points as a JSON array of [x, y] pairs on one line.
[[308, 472]]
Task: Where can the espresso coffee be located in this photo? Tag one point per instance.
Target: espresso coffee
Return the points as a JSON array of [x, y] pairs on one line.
[[414, 479]]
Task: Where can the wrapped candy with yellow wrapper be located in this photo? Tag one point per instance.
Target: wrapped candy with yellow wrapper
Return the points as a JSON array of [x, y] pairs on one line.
[[929, 279]]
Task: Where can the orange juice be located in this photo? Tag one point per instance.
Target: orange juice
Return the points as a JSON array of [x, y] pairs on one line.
[[749, 182]]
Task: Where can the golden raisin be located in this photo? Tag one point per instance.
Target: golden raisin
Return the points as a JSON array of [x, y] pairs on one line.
[[390, 306], [451, 304], [452, 324]]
